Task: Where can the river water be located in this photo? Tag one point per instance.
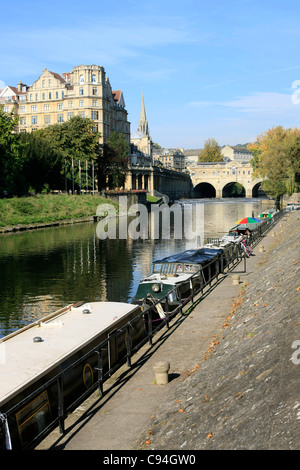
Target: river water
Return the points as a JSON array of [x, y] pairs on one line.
[[44, 270]]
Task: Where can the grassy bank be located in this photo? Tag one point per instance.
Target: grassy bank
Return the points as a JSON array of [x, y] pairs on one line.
[[48, 208]]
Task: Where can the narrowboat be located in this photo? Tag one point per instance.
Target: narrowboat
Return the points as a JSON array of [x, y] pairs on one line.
[[176, 278], [54, 362], [293, 206], [268, 214]]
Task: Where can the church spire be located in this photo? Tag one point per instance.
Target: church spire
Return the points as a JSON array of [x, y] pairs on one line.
[[143, 123]]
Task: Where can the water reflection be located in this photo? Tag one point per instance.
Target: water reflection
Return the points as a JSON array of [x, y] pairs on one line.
[[43, 270]]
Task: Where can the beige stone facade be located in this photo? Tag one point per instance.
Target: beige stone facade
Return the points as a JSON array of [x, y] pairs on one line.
[[170, 158], [53, 99]]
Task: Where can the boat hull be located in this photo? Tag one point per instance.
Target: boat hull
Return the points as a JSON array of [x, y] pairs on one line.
[[34, 402]]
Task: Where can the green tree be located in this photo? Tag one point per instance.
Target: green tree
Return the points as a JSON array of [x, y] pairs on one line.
[[42, 163], [211, 152], [10, 153], [113, 162], [75, 141], [276, 158]]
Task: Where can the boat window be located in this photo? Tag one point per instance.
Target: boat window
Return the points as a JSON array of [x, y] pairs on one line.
[[87, 374], [191, 268], [169, 268], [157, 268], [179, 268], [33, 418]]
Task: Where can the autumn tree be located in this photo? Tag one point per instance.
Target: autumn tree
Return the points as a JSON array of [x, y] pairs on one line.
[[211, 152], [276, 158]]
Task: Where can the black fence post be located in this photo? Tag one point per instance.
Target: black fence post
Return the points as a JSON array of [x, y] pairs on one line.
[[60, 403]]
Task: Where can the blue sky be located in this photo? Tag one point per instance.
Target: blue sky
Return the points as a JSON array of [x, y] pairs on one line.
[[228, 69]]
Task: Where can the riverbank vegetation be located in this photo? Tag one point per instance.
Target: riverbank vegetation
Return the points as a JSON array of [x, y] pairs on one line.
[[66, 156], [49, 208], [276, 157]]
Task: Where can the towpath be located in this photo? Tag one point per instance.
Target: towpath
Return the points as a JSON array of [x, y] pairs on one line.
[[234, 374]]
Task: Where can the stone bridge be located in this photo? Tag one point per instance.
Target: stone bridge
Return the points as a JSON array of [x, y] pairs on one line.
[[216, 179], [210, 180], [152, 178]]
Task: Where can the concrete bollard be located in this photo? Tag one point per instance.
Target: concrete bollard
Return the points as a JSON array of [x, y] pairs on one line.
[[262, 248], [235, 279], [161, 370]]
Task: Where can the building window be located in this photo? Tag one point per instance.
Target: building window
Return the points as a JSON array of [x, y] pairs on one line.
[[47, 107], [70, 104], [56, 95], [81, 91], [43, 96], [70, 115], [81, 103], [23, 121], [47, 119], [36, 96], [60, 118], [95, 103], [95, 115], [49, 82], [50, 95], [62, 94], [95, 128], [33, 107], [59, 106], [81, 79], [30, 97], [22, 109], [34, 120], [43, 83], [93, 78], [94, 90], [81, 114]]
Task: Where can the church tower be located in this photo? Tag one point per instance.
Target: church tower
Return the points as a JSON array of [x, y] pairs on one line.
[[143, 123]]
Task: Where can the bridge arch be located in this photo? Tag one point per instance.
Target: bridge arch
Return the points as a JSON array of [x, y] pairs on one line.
[[233, 189], [204, 190], [257, 190]]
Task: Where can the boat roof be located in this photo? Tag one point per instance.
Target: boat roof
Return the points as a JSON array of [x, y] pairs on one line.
[[200, 256], [22, 361]]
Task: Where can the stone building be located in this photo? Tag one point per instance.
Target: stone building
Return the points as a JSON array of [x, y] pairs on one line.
[[238, 153], [52, 99], [170, 158]]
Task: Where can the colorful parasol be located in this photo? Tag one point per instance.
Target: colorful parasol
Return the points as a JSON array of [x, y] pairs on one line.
[[248, 220]]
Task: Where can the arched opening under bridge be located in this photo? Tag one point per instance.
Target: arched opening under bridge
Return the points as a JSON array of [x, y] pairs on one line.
[[257, 191], [233, 189], [204, 190]]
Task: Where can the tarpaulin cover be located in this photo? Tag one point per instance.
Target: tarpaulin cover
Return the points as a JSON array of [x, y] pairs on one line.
[[203, 255]]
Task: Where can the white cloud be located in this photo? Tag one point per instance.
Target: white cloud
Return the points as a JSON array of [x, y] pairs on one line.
[[262, 101]]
